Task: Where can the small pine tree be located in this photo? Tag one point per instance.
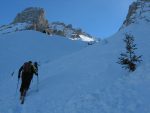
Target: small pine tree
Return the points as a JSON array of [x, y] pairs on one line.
[[129, 60]]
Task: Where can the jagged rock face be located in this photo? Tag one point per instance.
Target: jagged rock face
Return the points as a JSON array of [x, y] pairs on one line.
[[60, 28], [34, 16], [138, 11], [33, 19]]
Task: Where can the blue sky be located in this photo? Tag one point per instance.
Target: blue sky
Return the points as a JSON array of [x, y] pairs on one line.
[[100, 18]]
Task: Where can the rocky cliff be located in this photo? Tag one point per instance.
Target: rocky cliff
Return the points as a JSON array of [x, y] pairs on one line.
[[34, 16], [138, 11]]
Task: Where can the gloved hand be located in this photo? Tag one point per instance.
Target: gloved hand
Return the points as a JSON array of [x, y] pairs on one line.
[[36, 74]]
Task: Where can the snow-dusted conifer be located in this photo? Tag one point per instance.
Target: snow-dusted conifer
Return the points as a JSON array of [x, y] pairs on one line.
[[129, 60]]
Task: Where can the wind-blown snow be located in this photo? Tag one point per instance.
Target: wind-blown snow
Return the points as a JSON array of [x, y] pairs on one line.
[[86, 38], [75, 79]]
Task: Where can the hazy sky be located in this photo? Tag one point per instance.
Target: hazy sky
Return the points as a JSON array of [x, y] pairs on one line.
[[100, 18]]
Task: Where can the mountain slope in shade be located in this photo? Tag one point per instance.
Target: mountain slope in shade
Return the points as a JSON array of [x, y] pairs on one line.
[[87, 80], [32, 45], [139, 11]]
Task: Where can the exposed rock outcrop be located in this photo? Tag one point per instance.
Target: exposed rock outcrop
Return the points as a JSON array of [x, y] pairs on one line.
[[139, 10], [34, 16]]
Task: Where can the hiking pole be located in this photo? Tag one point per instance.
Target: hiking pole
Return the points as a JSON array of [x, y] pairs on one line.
[[37, 83], [17, 86]]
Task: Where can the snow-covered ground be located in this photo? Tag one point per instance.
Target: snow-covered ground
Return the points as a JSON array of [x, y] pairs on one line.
[[11, 28], [74, 78], [5, 29], [86, 38]]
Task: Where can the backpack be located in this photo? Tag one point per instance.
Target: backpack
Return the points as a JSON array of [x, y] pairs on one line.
[[27, 67]]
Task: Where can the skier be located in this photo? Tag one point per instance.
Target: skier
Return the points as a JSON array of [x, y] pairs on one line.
[[26, 72]]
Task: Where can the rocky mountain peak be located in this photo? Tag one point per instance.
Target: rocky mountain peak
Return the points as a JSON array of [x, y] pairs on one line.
[[33, 16], [138, 11]]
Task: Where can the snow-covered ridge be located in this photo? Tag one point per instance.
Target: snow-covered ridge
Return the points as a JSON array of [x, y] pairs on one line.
[[75, 79], [28, 45], [59, 28], [138, 11], [54, 29], [5, 29], [86, 38], [33, 18]]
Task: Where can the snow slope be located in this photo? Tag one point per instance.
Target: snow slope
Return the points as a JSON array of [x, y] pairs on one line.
[[86, 38], [85, 81], [74, 77], [60, 29], [5, 29], [19, 47]]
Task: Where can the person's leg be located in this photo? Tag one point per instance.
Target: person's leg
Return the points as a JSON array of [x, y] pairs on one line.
[[28, 84], [23, 86]]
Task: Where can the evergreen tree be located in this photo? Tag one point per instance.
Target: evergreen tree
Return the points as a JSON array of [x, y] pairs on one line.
[[129, 60]]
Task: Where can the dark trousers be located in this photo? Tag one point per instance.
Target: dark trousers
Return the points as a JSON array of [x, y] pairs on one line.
[[26, 80]]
